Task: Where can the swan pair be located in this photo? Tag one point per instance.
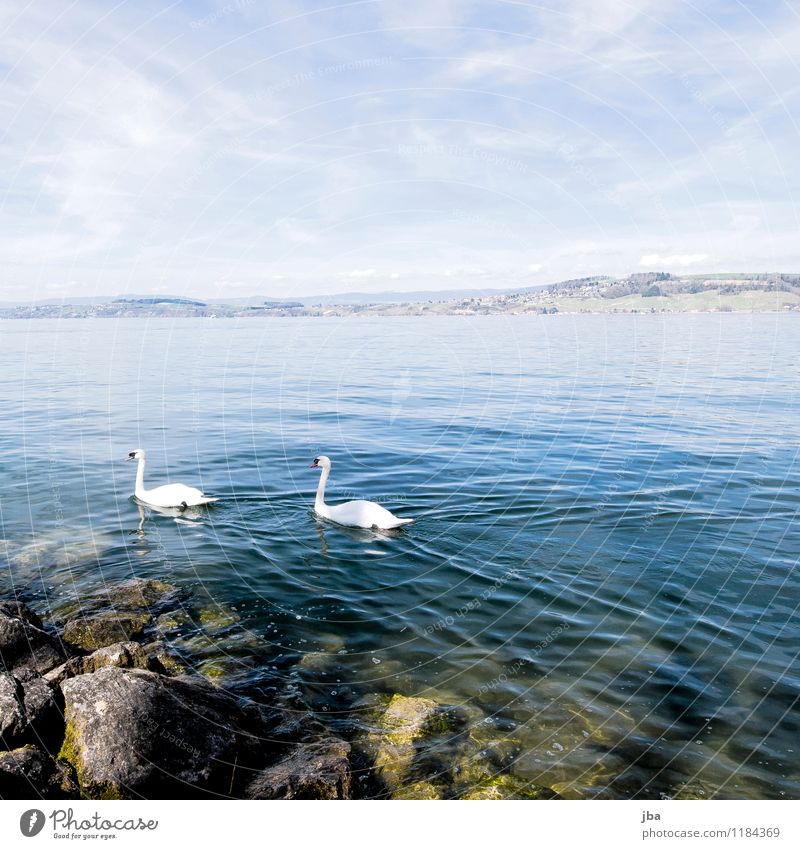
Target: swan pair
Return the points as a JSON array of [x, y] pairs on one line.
[[353, 514]]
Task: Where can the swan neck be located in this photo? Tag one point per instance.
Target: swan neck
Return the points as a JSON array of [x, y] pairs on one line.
[[319, 504], [139, 488]]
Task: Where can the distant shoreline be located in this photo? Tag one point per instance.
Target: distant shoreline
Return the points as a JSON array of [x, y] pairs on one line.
[[637, 294]]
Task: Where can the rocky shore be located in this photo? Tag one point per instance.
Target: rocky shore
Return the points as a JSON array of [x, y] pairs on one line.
[[97, 703]]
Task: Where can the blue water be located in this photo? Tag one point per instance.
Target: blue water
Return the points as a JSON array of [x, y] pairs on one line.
[[603, 564]]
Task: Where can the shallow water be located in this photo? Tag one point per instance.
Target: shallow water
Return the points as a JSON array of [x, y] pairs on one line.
[[603, 566]]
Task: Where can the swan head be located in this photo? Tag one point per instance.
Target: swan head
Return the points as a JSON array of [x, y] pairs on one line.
[[136, 454], [321, 462]]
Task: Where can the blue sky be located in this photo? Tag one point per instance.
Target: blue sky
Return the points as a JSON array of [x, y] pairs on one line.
[[278, 148]]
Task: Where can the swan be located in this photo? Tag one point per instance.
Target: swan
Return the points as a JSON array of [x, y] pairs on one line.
[[353, 514], [170, 495]]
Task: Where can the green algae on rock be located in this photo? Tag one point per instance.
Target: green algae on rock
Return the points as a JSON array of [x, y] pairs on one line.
[[417, 790], [406, 721], [137, 733], [216, 619], [95, 631]]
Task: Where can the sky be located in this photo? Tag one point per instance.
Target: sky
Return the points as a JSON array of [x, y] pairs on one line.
[[244, 147]]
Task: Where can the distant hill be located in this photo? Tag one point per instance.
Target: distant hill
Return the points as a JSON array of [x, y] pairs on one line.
[[637, 293]]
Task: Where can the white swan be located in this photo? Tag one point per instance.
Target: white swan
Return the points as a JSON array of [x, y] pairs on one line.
[[354, 514], [170, 495]]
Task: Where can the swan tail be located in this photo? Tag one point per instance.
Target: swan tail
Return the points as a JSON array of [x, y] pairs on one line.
[[205, 500], [401, 522]]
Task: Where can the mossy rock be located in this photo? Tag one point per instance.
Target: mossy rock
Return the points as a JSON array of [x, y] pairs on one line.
[[507, 786], [417, 790], [216, 619], [173, 622], [139, 594], [401, 733], [72, 753], [160, 659], [106, 628], [213, 671]]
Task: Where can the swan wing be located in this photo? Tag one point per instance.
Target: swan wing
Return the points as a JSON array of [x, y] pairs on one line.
[[175, 495], [364, 514]]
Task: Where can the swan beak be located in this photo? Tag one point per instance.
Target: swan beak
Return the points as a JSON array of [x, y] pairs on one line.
[[314, 465], [129, 457]]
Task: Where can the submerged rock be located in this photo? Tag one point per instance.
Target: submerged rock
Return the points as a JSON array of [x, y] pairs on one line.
[[137, 733], [127, 655], [173, 622], [161, 659], [405, 722], [318, 770], [216, 619], [95, 631], [30, 773], [508, 787], [417, 790], [26, 649], [140, 594]]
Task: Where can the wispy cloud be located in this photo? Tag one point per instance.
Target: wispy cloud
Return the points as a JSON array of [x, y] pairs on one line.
[[301, 147]]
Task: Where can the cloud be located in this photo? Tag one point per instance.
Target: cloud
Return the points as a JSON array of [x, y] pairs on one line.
[[672, 260], [358, 273], [277, 148]]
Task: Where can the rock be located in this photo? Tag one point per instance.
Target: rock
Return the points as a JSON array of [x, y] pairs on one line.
[[173, 622], [405, 721], [124, 655], [140, 594], [29, 711], [94, 631], [318, 770], [217, 619], [508, 787], [26, 649], [417, 790], [29, 773], [12, 711], [160, 659], [137, 733], [690, 790]]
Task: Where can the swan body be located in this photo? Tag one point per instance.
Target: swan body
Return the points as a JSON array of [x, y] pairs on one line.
[[169, 495], [353, 514]]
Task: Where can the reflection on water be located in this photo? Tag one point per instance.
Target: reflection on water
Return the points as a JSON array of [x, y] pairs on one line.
[[601, 579]]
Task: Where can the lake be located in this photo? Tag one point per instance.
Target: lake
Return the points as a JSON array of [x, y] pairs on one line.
[[602, 572]]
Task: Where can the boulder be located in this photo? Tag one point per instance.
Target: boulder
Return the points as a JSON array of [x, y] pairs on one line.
[[30, 773], [140, 594], [124, 655], [29, 711], [26, 649], [137, 733], [403, 725], [97, 630], [318, 770]]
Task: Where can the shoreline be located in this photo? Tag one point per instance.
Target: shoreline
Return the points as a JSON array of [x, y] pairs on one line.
[[100, 702]]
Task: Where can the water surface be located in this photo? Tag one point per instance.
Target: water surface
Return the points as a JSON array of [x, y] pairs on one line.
[[605, 541]]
